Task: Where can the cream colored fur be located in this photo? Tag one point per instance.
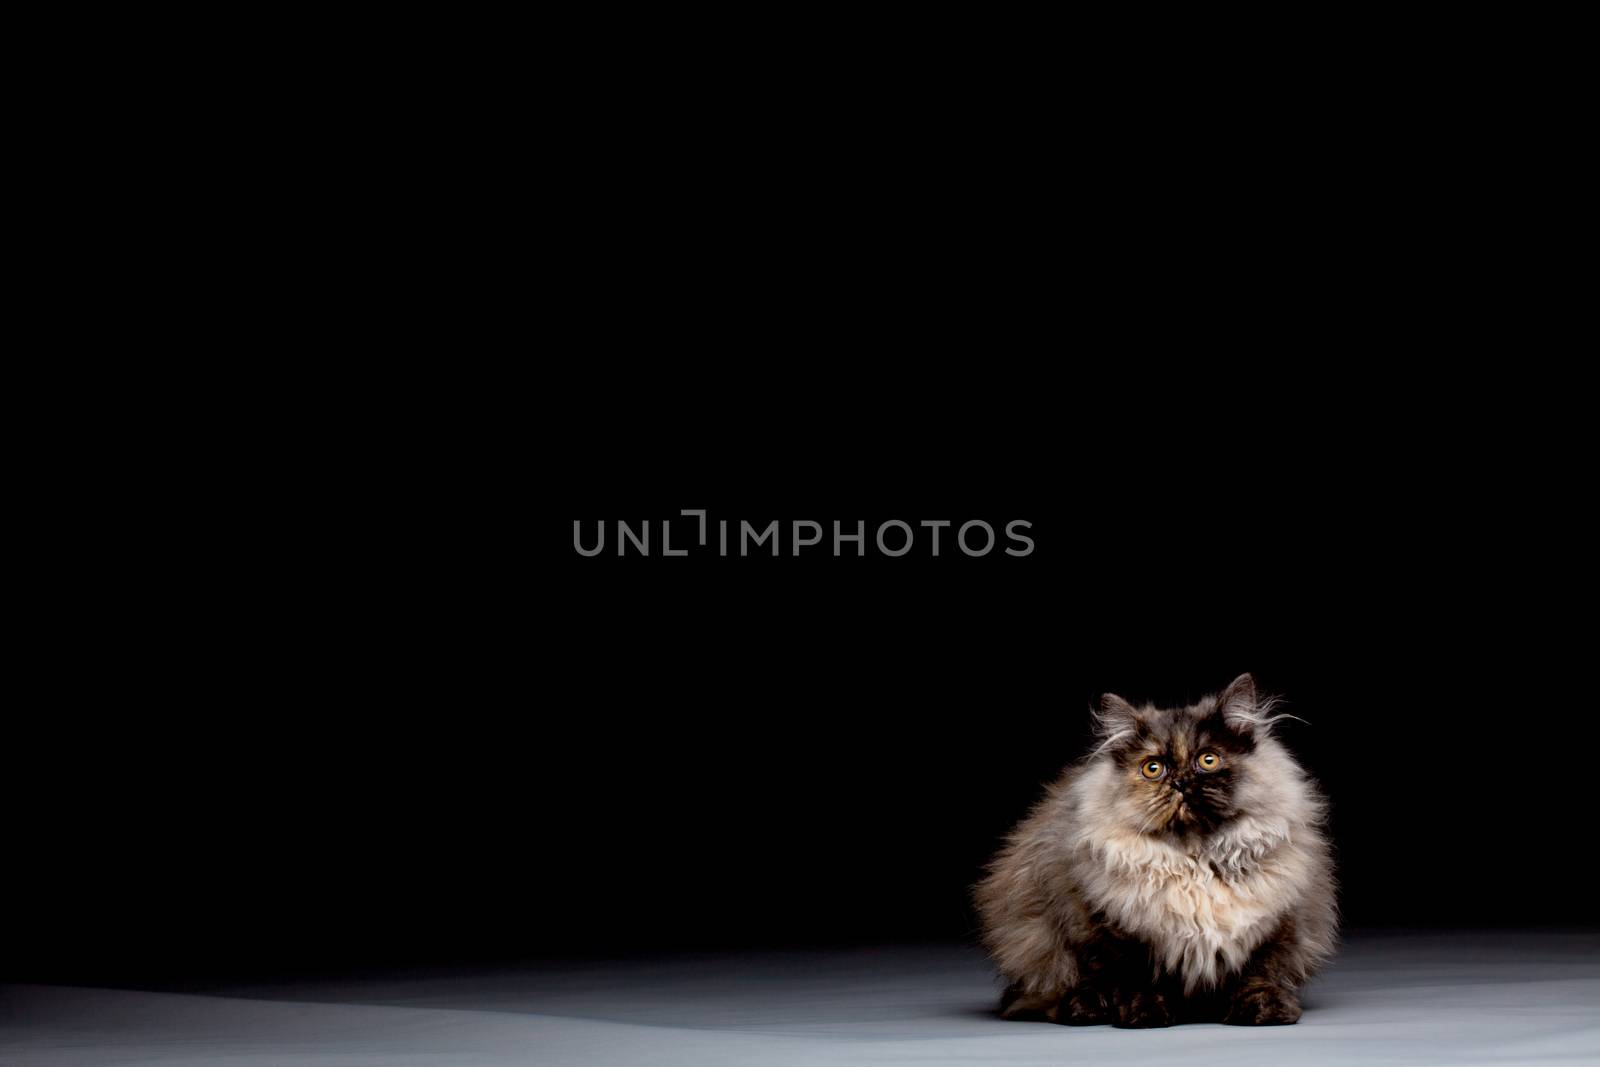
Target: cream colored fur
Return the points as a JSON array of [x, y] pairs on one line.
[[1202, 904]]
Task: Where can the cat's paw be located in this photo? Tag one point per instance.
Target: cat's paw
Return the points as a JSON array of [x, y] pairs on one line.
[[1142, 1010], [1263, 1005], [1084, 1007], [1035, 1007]]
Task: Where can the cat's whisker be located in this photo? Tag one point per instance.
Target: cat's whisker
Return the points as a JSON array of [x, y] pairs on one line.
[[1097, 863], [1120, 735]]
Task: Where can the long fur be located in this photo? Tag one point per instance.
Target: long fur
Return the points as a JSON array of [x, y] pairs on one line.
[[1104, 855]]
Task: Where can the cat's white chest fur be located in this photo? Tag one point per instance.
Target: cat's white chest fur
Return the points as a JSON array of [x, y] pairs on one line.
[[1203, 911]]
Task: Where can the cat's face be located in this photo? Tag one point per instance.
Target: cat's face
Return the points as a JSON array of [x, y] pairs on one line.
[[1181, 771]]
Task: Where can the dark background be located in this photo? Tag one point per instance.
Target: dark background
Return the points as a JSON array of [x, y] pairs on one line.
[[316, 682], [313, 679], [407, 740]]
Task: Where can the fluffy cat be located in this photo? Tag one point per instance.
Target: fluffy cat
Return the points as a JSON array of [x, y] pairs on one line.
[[1178, 873]]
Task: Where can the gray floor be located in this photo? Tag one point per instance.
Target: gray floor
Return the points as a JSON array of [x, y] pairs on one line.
[[1480, 999]]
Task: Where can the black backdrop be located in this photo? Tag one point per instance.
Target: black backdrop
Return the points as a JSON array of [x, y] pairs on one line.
[[416, 727], [317, 681]]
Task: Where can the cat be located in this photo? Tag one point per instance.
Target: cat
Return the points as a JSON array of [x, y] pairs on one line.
[[1180, 872]]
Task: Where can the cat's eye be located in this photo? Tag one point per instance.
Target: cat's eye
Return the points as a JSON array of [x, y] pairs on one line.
[[1208, 761], [1153, 769]]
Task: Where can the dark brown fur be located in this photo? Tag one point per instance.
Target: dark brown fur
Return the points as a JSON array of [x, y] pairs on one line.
[[1071, 962]]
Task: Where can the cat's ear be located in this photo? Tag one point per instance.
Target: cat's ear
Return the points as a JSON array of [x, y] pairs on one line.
[[1244, 709], [1238, 703], [1115, 717]]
